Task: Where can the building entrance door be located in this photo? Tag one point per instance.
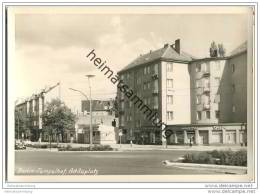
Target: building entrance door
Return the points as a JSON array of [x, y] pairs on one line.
[[203, 137], [231, 137]]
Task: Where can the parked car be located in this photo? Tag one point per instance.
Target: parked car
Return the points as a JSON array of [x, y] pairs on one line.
[[20, 146]]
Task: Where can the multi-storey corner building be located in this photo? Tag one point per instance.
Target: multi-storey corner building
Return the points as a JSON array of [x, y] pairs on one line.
[[200, 100]]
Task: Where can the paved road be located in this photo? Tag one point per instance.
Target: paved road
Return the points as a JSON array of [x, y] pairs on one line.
[[105, 163]]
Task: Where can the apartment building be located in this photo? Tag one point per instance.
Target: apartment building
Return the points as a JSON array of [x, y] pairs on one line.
[[28, 113], [202, 101]]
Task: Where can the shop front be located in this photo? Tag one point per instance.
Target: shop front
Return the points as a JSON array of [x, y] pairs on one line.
[[208, 134]]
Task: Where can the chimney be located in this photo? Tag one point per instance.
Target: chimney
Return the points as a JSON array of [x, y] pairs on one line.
[[178, 46], [166, 45]]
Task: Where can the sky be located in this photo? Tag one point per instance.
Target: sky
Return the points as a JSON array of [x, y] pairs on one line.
[[51, 48]]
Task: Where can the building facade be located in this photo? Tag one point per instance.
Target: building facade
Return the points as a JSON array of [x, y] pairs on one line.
[[29, 111], [104, 123], [201, 101]]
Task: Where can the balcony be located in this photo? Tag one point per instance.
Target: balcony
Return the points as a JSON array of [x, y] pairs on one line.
[[155, 91], [206, 106], [155, 107], [206, 73], [155, 76], [206, 89]]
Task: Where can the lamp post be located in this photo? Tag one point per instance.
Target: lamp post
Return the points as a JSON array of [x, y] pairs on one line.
[[90, 108], [82, 93]]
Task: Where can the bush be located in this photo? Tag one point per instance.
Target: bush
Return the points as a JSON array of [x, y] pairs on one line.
[[44, 146], [94, 148], [227, 157]]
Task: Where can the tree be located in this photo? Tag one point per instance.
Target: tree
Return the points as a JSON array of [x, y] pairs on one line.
[[221, 50], [57, 119], [21, 123], [213, 50]]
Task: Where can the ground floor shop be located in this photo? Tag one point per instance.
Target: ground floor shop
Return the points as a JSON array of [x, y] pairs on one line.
[[228, 133]]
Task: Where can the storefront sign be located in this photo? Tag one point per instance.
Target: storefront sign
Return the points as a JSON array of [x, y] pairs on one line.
[[190, 128], [218, 128]]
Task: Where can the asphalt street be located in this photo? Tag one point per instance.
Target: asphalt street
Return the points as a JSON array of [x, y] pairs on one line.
[[99, 163]]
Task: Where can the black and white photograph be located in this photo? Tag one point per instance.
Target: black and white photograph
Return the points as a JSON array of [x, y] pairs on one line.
[[133, 93]]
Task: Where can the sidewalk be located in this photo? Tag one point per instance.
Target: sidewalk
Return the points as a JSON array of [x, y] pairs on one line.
[[128, 147], [136, 147]]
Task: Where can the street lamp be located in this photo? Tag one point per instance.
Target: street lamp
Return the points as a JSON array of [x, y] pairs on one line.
[[90, 131], [90, 107]]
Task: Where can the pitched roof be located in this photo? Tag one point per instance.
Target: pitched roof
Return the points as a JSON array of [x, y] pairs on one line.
[[241, 48], [165, 53]]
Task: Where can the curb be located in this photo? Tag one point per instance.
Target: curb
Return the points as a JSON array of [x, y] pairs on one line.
[[212, 167]]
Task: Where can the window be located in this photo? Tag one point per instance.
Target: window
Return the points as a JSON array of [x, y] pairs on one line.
[[198, 99], [169, 99], [156, 68], [217, 98], [122, 105], [148, 101], [169, 83], [148, 85], [169, 115], [144, 70], [208, 114], [197, 83], [233, 88], [155, 100], [155, 84], [206, 67], [206, 99], [130, 103], [144, 86], [148, 70], [217, 80], [233, 68], [138, 81], [198, 115], [233, 109], [217, 114], [206, 83], [218, 67], [169, 67], [198, 67]]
